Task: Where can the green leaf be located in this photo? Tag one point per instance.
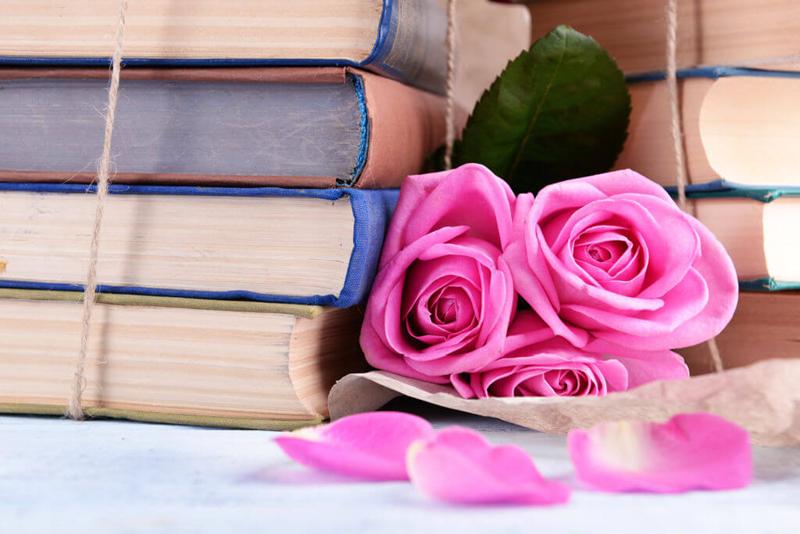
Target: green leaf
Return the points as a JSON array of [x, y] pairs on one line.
[[559, 110]]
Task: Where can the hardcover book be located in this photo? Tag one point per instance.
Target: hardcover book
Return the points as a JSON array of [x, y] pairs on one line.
[[741, 125], [217, 363], [758, 228], [710, 32], [400, 39], [300, 246], [295, 127], [764, 326]]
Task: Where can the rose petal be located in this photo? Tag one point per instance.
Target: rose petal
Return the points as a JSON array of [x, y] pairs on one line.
[[369, 446], [652, 330], [643, 366], [534, 293], [458, 465], [621, 182], [689, 452], [382, 357], [470, 195]]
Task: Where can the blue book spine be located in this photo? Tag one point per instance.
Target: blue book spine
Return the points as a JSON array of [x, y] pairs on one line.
[[372, 210]]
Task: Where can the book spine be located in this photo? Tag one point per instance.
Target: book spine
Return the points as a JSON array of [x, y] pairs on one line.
[[372, 210], [712, 72], [410, 41]]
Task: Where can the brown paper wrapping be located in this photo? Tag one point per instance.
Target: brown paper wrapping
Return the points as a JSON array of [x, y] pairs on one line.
[[764, 398]]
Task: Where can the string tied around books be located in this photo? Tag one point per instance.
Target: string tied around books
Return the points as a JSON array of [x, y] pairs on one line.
[[450, 120], [75, 404], [677, 136]]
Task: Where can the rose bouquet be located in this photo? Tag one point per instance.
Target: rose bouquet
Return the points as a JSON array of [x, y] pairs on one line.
[[584, 289]]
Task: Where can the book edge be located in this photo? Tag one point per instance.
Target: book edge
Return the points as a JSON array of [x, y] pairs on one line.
[[725, 189], [711, 71], [297, 310], [147, 416]]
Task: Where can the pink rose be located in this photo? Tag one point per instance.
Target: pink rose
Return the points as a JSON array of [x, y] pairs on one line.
[[443, 297], [612, 257], [537, 364]]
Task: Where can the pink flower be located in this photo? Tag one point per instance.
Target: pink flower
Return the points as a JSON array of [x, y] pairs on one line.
[[612, 256], [443, 297], [690, 451], [457, 465], [538, 364]]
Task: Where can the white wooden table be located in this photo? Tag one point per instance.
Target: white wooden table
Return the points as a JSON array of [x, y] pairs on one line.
[[108, 476]]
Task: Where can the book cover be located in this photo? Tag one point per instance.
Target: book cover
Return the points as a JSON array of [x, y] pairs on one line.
[[740, 124], [401, 40], [194, 237], [286, 127], [748, 228], [709, 32], [176, 360]]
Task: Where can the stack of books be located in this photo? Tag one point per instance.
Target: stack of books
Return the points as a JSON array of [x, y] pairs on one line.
[[739, 79], [257, 150]]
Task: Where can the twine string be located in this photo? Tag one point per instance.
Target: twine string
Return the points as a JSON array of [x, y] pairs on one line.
[[674, 104], [677, 136], [75, 404], [450, 132]]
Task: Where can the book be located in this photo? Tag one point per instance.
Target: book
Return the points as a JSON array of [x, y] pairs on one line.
[[488, 36], [764, 326], [400, 39], [757, 228], [302, 246], [709, 32], [741, 125], [290, 127], [217, 363]]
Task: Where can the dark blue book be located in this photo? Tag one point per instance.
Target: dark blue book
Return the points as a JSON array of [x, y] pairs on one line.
[[301, 246]]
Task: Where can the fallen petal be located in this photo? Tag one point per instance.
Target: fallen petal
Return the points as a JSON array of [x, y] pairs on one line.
[[688, 452], [457, 465], [369, 446]]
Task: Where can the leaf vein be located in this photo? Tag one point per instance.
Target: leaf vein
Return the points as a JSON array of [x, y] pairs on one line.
[[535, 116]]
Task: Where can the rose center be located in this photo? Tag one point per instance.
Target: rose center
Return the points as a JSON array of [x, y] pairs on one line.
[[567, 382], [445, 311], [598, 253]]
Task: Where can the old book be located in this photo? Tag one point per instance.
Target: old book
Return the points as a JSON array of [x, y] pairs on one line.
[[314, 127], [739, 124], [488, 36], [401, 39], [758, 229], [710, 32], [218, 363], [764, 326], [307, 246]]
